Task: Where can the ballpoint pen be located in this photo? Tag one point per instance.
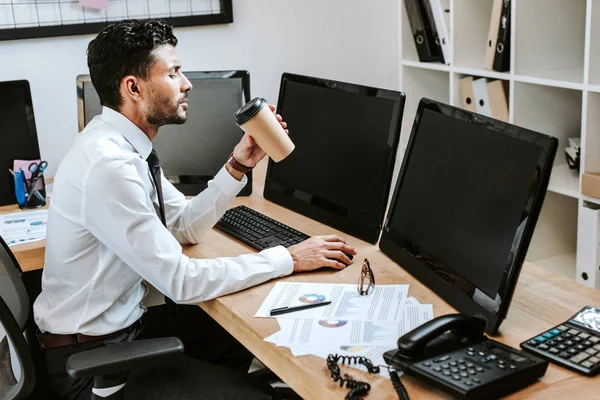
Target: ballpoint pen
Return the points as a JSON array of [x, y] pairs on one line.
[[284, 310]]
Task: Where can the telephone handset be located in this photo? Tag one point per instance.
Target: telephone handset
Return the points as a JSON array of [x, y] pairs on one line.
[[441, 334], [452, 353]]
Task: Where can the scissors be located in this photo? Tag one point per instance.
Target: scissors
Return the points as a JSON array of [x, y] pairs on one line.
[[37, 170]]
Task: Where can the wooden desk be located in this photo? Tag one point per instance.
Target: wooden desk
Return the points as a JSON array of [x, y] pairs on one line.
[[542, 300], [30, 255]]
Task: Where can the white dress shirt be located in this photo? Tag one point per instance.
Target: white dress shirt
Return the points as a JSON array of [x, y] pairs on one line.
[[104, 236]]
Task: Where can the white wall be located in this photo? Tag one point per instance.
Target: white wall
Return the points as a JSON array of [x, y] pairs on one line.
[[347, 40]]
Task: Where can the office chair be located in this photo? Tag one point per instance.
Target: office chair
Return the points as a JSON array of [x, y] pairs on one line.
[[108, 365]]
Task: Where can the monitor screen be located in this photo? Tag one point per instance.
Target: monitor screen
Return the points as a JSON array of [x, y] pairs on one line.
[[18, 134], [466, 202], [346, 137], [193, 152]]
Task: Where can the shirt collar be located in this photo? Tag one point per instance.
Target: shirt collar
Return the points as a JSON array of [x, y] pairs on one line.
[[129, 130]]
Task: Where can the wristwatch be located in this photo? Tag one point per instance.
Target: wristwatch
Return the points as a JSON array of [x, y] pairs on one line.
[[237, 166]]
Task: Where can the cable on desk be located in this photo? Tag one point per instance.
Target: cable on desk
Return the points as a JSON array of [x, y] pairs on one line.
[[360, 389]]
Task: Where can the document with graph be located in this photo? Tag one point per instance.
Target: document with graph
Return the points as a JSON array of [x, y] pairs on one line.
[[383, 304], [316, 332]]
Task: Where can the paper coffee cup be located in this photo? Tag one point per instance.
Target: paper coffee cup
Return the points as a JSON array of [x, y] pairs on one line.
[[257, 120]]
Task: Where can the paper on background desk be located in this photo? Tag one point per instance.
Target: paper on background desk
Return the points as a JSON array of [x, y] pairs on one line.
[[23, 227], [315, 332], [384, 303]]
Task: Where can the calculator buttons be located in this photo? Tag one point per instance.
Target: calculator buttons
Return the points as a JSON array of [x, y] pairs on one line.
[[574, 332], [594, 339], [594, 360], [579, 358], [556, 331], [584, 335], [562, 327], [443, 358], [587, 364]]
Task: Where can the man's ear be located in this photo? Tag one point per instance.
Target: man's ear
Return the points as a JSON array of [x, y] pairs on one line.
[[131, 88]]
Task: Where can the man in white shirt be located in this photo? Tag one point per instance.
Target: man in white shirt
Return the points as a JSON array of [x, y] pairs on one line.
[[115, 222]]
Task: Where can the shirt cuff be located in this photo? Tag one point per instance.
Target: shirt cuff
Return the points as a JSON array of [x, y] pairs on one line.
[[281, 259], [227, 183]]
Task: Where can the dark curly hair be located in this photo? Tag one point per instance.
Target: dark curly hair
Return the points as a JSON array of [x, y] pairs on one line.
[[121, 49]]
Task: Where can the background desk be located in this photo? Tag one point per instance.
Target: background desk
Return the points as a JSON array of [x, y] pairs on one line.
[[542, 300]]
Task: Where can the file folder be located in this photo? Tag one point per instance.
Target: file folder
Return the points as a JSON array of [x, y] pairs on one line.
[[466, 93], [443, 36], [424, 42], [588, 247], [502, 55], [496, 91], [482, 102], [490, 51]]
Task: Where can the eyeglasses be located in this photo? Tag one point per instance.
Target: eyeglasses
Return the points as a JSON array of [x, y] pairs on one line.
[[366, 282]]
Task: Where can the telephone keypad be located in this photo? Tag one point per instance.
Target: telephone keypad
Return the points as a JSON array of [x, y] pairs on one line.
[[476, 366]]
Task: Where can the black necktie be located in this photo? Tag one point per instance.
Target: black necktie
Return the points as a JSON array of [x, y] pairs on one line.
[[154, 166]]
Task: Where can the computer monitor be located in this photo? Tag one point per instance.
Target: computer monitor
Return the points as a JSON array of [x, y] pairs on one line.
[[193, 152], [346, 137], [18, 133], [465, 206]]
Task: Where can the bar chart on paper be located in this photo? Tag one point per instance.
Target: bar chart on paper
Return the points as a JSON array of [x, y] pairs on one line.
[[39, 13]]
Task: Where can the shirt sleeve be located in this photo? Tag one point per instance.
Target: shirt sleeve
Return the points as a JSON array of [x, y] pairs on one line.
[[119, 212], [190, 220]]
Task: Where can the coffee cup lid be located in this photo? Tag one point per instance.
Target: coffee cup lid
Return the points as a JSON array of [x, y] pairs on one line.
[[249, 110]]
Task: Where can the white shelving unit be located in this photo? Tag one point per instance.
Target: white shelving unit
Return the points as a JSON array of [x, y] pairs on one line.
[[554, 88]]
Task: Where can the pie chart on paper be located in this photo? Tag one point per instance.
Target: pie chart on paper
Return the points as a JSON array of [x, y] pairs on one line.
[[311, 298], [332, 323]]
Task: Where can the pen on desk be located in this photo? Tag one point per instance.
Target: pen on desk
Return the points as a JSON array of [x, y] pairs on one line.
[[284, 310]]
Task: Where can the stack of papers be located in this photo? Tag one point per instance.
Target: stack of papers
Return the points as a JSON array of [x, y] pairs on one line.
[[23, 227], [352, 325]]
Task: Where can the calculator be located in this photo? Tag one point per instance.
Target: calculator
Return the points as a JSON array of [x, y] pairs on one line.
[[574, 344]]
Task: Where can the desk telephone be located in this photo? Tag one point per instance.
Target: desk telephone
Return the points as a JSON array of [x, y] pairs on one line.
[[452, 353]]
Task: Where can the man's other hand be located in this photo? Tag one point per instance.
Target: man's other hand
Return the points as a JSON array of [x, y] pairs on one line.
[[247, 152], [321, 251]]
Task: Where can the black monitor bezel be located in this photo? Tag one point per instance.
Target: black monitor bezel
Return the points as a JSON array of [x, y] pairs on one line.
[[353, 228], [8, 197], [397, 247], [220, 74]]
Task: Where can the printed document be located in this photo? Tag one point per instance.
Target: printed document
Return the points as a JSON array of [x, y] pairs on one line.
[[384, 304]]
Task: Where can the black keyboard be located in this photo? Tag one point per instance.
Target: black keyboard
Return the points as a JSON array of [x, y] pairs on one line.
[[257, 230], [571, 344]]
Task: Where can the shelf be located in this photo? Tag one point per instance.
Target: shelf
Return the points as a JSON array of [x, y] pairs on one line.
[[471, 28], [550, 110], [482, 72], [550, 39], [434, 66], [564, 181], [590, 199], [564, 264], [591, 150], [594, 43], [555, 78], [555, 233]]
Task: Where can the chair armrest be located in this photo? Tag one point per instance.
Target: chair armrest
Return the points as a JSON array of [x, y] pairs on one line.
[[122, 356]]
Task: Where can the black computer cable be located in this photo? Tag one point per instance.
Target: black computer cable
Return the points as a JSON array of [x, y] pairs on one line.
[[360, 389]]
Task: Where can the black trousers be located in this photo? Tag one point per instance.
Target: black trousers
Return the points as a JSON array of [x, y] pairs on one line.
[[214, 365]]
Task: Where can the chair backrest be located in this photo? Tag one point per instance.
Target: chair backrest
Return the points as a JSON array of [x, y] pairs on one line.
[[17, 376]]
